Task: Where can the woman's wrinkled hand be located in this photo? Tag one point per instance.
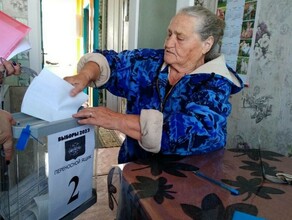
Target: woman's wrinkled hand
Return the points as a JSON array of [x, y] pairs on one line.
[[99, 116], [79, 82], [89, 73]]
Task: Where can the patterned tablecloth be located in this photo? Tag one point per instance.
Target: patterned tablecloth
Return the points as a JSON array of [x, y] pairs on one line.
[[166, 188]]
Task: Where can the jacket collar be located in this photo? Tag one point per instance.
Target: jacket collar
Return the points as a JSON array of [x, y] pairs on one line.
[[217, 66]]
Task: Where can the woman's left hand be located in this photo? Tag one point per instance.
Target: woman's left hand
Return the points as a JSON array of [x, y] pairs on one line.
[[99, 116], [128, 124]]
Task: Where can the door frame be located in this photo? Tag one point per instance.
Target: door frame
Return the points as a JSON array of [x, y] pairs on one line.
[[35, 35]]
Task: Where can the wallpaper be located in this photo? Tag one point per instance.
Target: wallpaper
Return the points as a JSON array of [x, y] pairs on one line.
[[262, 112], [15, 8]]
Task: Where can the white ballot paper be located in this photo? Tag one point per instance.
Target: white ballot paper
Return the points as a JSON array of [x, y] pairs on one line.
[[48, 98]]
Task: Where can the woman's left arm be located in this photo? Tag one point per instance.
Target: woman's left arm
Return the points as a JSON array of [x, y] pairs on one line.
[[128, 124]]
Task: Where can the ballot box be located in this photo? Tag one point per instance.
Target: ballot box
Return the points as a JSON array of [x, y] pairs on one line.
[[50, 175]]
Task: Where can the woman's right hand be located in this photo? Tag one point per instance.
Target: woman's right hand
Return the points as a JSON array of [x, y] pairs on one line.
[[79, 82], [89, 73]]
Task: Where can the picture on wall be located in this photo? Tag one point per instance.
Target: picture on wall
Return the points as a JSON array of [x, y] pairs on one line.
[[246, 35], [239, 17]]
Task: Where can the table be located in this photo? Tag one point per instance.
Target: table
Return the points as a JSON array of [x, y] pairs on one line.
[[166, 188]]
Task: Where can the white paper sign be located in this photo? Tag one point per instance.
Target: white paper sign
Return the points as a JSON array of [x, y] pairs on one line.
[[71, 155], [48, 98]]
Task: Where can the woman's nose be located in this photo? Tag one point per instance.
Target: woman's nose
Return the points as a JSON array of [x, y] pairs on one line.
[[169, 41]]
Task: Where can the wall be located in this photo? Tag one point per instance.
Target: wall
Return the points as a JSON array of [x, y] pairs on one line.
[[154, 18], [262, 112]]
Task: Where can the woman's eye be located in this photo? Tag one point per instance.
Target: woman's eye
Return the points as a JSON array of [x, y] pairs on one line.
[[180, 37]]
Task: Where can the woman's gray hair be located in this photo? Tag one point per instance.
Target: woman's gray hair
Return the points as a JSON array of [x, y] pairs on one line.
[[209, 25]]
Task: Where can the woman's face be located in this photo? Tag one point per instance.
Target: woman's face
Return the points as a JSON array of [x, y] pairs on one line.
[[184, 49]]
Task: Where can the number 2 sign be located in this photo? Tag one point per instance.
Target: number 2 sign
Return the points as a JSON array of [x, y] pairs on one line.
[[70, 169]]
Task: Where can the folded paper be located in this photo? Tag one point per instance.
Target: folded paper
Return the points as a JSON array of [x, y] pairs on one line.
[[48, 98]]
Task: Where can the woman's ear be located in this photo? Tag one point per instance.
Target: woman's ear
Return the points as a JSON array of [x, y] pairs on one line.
[[207, 44]]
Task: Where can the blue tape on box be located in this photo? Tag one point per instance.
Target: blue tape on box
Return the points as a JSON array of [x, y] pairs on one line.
[[22, 140], [244, 216]]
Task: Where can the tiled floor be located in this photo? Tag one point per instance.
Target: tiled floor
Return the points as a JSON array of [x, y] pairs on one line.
[[104, 159]]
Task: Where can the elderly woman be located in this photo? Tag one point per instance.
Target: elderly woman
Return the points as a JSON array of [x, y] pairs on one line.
[[7, 68], [177, 97]]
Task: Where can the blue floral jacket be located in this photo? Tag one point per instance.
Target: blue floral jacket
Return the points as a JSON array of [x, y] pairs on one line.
[[194, 111]]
